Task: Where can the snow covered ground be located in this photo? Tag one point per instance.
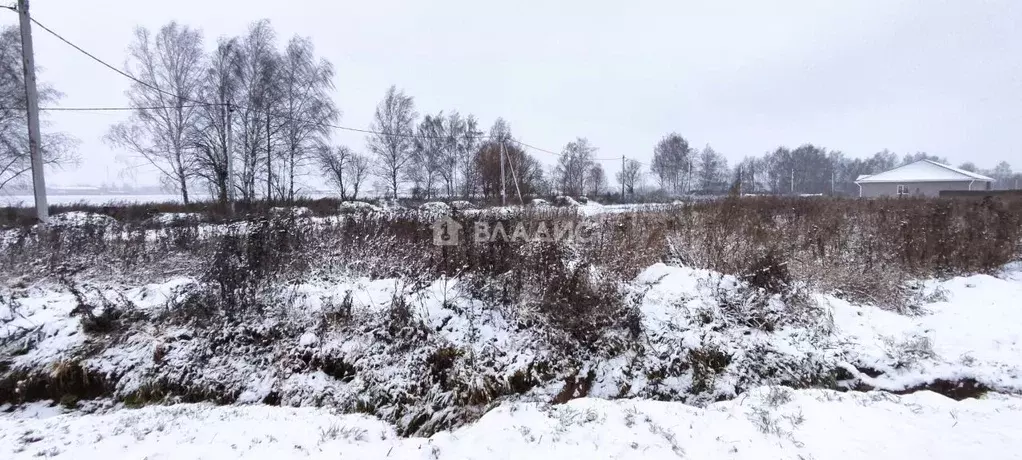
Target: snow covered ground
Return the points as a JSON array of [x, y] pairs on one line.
[[768, 422], [699, 344]]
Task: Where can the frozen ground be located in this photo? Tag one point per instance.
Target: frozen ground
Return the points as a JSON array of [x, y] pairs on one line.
[[768, 422]]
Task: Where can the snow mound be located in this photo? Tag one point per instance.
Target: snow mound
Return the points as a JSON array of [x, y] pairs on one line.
[[165, 218], [356, 207], [435, 208], [80, 219], [971, 333], [462, 205], [295, 211], [566, 201], [391, 204]]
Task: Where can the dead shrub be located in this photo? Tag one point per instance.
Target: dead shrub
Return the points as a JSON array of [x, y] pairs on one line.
[[580, 304], [769, 273], [706, 364]]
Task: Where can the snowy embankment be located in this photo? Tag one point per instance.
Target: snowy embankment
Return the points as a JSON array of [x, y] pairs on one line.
[[430, 357], [964, 328], [768, 422]]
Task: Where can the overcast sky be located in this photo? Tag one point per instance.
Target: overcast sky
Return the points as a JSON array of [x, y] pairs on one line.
[[944, 77]]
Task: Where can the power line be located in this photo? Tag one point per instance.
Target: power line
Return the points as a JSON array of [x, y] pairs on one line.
[[345, 128], [523, 144], [115, 69], [202, 104], [113, 109], [199, 103], [128, 109]]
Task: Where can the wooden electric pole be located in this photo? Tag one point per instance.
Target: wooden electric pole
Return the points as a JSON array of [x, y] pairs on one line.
[[503, 189], [32, 100], [623, 178]]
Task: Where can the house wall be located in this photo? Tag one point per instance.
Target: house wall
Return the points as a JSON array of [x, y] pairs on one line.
[[932, 189]]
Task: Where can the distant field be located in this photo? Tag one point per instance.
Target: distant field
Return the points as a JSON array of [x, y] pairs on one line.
[[29, 201]]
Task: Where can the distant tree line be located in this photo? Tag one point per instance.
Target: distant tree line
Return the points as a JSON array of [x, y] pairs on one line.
[[680, 170], [267, 109], [268, 112]]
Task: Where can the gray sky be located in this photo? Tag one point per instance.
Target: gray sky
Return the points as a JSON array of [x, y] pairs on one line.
[[943, 77]]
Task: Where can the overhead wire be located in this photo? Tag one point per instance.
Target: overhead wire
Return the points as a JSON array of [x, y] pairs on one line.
[[195, 103], [115, 69]]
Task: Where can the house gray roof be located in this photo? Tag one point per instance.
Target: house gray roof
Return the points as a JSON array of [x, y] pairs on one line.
[[924, 171]]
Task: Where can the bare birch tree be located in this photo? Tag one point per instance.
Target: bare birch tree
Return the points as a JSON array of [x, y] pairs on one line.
[[428, 155], [596, 180], [221, 87], [672, 163], [333, 164], [356, 173], [712, 171], [169, 70], [306, 109], [467, 141], [392, 141], [56, 148], [255, 129], [574, 165]]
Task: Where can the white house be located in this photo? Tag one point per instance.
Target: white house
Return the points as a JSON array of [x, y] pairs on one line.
[[922, 178]]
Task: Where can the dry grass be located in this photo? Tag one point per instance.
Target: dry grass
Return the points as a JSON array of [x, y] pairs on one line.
[[864, 250]]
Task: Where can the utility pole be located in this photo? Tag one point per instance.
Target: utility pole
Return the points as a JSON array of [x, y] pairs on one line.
[[792, 181], [514, 177], [623, 178], [503, 183], [230, 159], [740, 177], [32, 98]]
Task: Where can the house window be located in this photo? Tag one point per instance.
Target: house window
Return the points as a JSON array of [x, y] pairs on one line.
[[902, 190]]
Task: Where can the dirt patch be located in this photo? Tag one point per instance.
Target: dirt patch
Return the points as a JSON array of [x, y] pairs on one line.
[[954, 389], [66, 381]]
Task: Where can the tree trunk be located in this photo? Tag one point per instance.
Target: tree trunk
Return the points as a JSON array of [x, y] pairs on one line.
[[184, 188], [269, 164], [222, 186]]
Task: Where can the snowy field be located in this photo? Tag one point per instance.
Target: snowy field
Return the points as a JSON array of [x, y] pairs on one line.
[[102, 200], [766, 423], [99, 200]]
